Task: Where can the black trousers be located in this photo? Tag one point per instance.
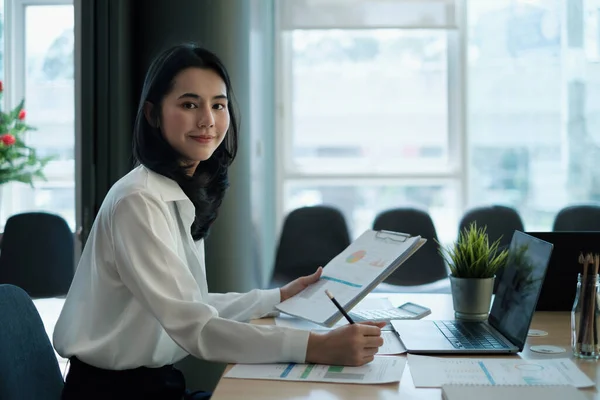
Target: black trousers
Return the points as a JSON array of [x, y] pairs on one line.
[[87, 382]]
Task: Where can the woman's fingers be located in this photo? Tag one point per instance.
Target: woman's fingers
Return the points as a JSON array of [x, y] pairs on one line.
[[378, 324], [373, 341], [371, 351], [368, 359], [369, 329], [312, 278]]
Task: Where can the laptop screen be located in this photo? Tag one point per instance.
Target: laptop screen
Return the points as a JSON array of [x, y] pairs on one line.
[[520, 286], [560, 285]]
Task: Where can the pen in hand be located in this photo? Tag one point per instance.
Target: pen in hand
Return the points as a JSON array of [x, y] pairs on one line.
[[339, 307]]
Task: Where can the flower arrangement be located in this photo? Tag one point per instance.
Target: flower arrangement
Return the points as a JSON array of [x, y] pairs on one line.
[[18, 162]]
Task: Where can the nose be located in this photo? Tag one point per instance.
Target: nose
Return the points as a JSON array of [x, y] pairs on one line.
[[206, 119]]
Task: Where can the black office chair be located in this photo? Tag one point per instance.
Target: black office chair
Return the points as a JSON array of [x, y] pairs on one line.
[[28, 366], [37, 254], [580, 218], [311, 237], [426, 265], [500, 222]]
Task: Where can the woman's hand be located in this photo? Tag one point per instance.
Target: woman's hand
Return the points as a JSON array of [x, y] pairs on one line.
[[297, 285], [353, 345]]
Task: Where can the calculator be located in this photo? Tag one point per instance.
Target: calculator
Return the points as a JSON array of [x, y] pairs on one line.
[[405, 311]]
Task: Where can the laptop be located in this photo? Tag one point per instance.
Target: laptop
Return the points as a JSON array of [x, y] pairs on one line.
[[560, 285], [505, 330]]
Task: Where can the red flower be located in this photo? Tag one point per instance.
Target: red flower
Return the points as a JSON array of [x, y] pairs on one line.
[[8, 139], [1, 86], [22, 115]]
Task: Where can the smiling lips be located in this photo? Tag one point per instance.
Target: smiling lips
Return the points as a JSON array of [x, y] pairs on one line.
[[203, 138]]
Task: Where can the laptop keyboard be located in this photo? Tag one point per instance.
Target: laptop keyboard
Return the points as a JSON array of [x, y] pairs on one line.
[[469, 335]]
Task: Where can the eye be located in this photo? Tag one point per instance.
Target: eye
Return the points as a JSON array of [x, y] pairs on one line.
[[219, 106], [190, 106]]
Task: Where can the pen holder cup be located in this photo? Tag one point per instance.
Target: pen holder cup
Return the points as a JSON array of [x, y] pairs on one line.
[[584, 318]]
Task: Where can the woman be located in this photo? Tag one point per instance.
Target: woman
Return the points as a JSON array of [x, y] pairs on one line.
[[139, 301]]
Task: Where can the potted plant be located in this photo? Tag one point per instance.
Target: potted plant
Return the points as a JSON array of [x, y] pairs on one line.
[[473, 263]]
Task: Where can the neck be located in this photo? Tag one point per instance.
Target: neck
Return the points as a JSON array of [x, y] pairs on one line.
[[190, 167]]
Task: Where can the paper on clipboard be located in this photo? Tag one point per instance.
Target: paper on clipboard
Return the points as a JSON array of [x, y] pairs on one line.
[[352, 274]]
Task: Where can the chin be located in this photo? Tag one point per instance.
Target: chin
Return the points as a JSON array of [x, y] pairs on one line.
[[202, 156]]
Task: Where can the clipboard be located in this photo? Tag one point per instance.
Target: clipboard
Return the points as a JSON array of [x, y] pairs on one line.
[[392, 236], [352, 274]]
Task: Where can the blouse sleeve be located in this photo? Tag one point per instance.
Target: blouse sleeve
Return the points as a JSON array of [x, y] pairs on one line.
[[245, 306], [162, 282]]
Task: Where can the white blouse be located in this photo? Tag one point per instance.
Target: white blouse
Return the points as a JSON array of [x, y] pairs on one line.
[[140, 298]]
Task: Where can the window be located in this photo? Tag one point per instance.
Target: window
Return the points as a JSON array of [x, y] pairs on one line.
[[40, 65], [369, 100], [534, 81], [365, 102], [446, 105]]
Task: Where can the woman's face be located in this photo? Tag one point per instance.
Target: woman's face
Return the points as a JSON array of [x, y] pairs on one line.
[[194, 115]]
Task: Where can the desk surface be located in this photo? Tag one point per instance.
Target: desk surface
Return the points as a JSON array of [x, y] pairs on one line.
[[557, 324]]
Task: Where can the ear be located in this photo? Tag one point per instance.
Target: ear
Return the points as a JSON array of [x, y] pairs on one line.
[[150, 114]]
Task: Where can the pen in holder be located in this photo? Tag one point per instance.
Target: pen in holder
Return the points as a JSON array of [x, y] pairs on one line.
[[585, 313]]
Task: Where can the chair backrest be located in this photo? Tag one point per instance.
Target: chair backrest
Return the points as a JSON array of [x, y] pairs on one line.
[[310, 237], [500, 222], [578, 218], [426, 265], [28, 365], [37, 254]]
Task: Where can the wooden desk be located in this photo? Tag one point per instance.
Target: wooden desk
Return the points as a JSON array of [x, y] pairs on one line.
[[557, 324]]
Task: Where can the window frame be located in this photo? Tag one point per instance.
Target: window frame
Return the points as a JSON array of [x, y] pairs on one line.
[[457, 170], [14, 45], [15, 74]]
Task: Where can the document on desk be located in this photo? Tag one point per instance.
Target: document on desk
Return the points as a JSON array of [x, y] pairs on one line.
[[391, 344], [435, 371], [351, 275], [381, 370]]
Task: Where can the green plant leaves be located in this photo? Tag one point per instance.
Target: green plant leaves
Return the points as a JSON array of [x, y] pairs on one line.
[[472, 256], [19, 162]]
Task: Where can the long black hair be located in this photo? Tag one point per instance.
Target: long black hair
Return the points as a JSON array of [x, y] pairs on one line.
[[207, 186]]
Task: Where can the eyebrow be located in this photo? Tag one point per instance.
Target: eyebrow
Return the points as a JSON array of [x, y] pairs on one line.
[[195, 96]]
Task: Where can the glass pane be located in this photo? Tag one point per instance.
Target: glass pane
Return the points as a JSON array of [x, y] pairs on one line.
[[2, 42], [534, 109], [361, 203], [368, 101], [310, 14], [50, 106]]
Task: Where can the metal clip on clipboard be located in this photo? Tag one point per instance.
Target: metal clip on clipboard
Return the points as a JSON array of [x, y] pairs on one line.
[[391, 236]]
